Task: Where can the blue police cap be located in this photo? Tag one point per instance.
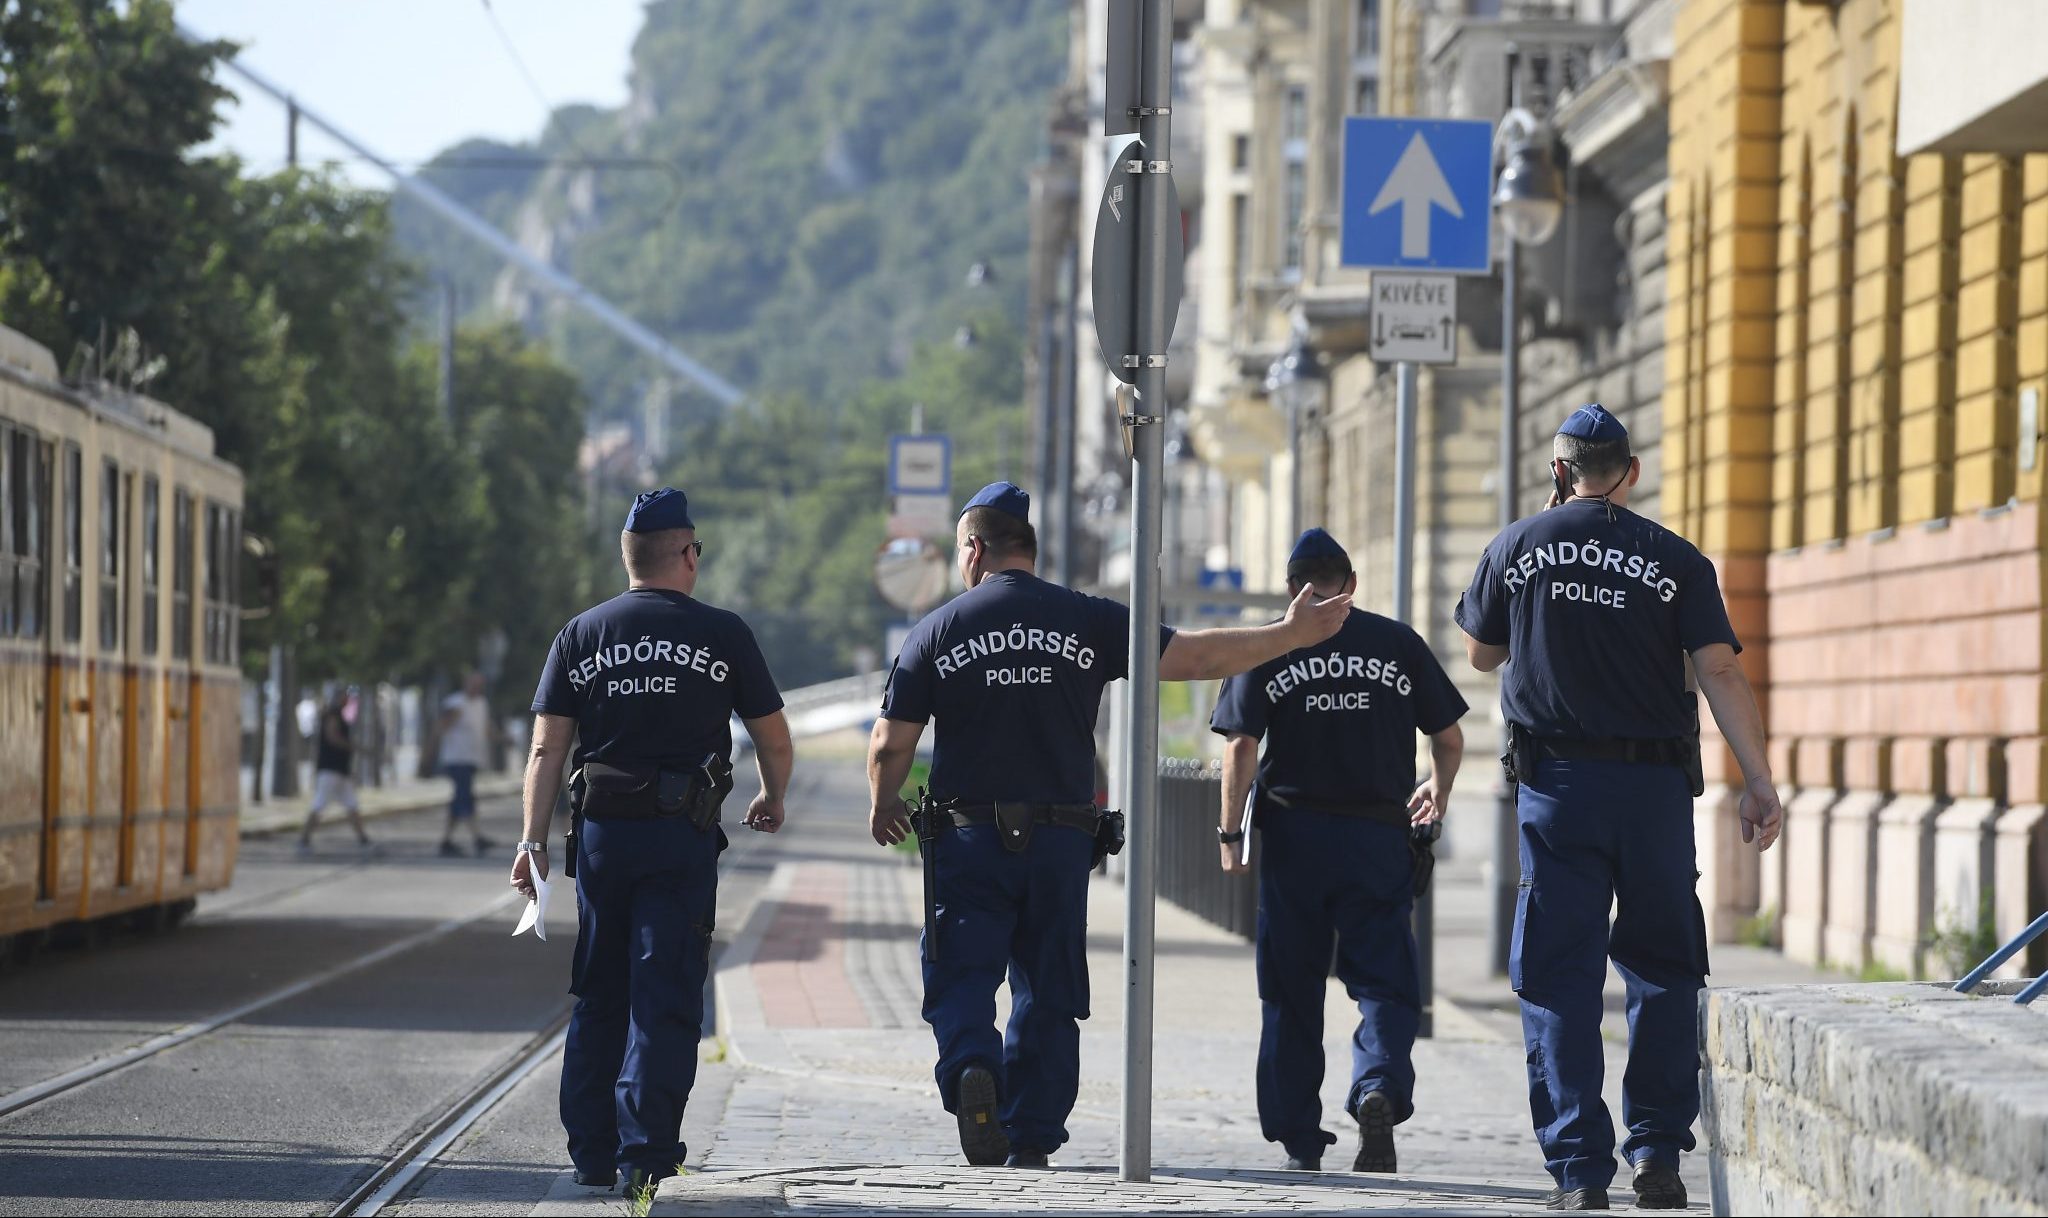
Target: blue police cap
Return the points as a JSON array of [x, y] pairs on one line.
[[1316, 544], [1005, 497], [1594, 424], [654, 511]]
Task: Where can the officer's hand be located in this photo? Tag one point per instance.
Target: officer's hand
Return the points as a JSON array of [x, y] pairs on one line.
[[1233, 858], [521, 878], [764, 815], [1311, 620], [1555, 500], [1763, 817], [1425, 807], [889, 822]]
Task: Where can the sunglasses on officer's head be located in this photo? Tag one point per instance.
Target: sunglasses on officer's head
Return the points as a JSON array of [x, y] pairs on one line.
[[697, 547]]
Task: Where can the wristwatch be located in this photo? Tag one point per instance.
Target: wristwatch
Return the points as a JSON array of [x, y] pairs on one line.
[[535, 847], [1229, 839]]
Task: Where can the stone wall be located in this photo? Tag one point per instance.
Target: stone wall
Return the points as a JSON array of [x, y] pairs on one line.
[[1874, 1099]]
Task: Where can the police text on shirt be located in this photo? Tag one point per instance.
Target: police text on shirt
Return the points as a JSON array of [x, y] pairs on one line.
[[1337, 667], [1018, 639], [648, 653], [1597, 556]]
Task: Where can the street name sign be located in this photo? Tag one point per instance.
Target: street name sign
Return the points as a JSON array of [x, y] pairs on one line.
[[1416, 195]]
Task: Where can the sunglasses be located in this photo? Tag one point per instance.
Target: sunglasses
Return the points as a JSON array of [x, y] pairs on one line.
[[697, 547]]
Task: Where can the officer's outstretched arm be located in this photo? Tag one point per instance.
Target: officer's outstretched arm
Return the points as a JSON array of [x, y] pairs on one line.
[[1211, 655], [891, 751]]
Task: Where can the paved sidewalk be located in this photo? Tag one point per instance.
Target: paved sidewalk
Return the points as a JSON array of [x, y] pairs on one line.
[[412, 795], [824, 1063]]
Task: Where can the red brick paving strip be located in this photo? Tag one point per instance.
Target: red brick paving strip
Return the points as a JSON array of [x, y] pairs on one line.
[[800, 967]]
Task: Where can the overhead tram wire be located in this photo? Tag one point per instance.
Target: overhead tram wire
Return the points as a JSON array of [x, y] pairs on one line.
[[724, 392]]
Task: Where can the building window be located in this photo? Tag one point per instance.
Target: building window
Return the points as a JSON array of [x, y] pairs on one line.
[[112, 538], [74, 544], [181, 576], [1240, 241], [1366, 100], [1369, 28], [1295, 120], [152, 562], [1296, 206], [1241, 152]]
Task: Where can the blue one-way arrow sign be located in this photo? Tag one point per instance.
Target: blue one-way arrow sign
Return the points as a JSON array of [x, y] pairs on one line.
[[1415, 194]]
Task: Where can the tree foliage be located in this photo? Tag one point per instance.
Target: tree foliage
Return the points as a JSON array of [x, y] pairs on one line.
[[277, 306]]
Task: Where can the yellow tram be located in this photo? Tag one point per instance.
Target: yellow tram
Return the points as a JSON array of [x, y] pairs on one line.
[[120, 696]]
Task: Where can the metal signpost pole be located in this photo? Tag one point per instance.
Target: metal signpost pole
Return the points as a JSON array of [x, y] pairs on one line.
[[1154, 323], [1404, 611], [1507, 866]]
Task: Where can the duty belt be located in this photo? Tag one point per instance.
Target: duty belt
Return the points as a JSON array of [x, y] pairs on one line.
[[1647, 752], [1386, 813], [1084, 817]]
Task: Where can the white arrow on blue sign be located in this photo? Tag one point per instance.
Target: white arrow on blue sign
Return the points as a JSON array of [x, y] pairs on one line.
[[1416, 194]]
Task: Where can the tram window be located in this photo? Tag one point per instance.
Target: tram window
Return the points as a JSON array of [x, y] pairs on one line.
[[8, 622], [152, 564], [31, 459], [111, 541], [74, 544], [234, 589], [181, 576]]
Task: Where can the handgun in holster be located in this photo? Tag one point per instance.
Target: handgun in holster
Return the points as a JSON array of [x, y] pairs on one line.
[[1518, 761], [577, 788], [1422, 841], [702, 790], [924, 820], [1109, 836]]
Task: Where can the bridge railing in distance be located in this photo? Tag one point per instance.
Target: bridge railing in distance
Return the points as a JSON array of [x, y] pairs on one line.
[[1190, 792], [831, 706]]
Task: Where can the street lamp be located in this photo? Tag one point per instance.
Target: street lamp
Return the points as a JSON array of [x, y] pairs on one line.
[[1529, 200], [1296, 382]]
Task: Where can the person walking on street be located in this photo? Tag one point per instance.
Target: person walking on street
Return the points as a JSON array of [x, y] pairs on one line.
[[465, 733], [333, 772], [1013, 672], [645, 685], [1594, 611], [1337, 809]]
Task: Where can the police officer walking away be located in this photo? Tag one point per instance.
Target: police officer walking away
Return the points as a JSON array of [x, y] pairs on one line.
[[1013, 670], [1594, 610], [646, 683], [1336, 804]]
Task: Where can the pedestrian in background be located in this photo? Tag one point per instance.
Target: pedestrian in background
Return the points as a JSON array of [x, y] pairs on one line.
[[465, 733], [334, 769]]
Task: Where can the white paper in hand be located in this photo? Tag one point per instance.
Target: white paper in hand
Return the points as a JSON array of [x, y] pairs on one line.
[[535, 917], [1251, 803]]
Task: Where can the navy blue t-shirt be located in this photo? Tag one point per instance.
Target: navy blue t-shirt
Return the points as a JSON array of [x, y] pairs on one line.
[[1340, 718], [1013, 671], [653, 677], [1598, 618]]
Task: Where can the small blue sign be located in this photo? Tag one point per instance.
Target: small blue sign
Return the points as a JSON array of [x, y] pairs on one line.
[[1229, 577], [1417, 195]]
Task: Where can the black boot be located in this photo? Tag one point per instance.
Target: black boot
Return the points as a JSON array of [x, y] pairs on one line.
[[1576, 1199], [981, 1130], [1375, 1114], [1658, 1186], [1028, 1158], [1302, 1163]]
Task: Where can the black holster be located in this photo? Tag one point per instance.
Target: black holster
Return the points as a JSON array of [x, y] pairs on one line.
[[569, 837], [1109, 836], [1518, 762], [602, 791], [1422, 854], [925, 820]]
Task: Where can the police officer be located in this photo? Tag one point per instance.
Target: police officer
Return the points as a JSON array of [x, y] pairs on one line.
[[646, 683], [1335, 806], [1013, 671], [1594, 610]]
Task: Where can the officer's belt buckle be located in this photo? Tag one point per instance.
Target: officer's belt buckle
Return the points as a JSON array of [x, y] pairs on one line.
[[1015, 822]]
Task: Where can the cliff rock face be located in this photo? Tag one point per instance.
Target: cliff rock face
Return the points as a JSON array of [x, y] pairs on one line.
[[792, 193]]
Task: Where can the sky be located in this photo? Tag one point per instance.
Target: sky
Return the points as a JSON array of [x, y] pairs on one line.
[[410, 77]]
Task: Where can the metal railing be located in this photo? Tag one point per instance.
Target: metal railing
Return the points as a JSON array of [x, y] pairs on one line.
[[2013, 947], [1189, 874]]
